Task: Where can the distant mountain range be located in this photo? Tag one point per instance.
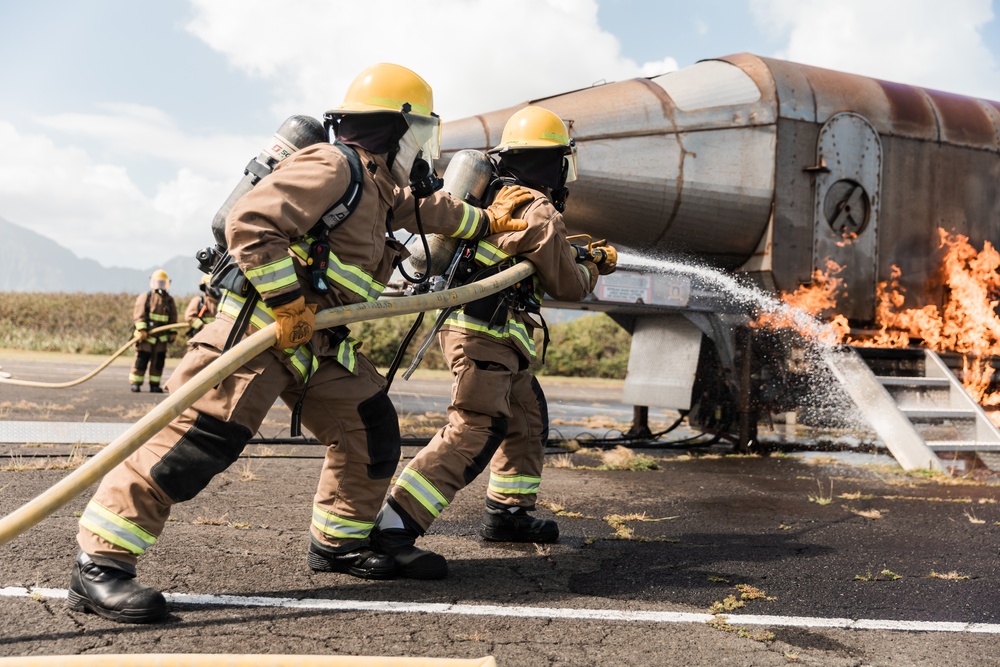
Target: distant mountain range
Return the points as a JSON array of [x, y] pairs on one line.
[[30, 262]]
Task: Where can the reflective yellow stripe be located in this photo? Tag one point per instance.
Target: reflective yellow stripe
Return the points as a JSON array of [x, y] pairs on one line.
[[470, 223], [140, 326], [301, 358], [116, 529], [422, 490], [339, 527], [514, 484], [512, 329], [134, 379], [350, 277], [488, 254], [273, 276]]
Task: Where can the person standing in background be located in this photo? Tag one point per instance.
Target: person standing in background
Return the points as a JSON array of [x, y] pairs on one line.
[[155, 308]]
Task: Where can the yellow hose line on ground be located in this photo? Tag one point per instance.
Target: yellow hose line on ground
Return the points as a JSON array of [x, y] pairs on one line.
[[107, 362], [178, 401], [208, 660]]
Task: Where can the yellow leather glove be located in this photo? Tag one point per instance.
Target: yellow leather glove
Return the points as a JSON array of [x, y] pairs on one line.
[[605, 257], [295, 322], [143, 334], [509, 198]]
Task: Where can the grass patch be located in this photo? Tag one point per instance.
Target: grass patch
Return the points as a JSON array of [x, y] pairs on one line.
[[623, 458], [948, 576], [821, 498], [884, 575], [867, 514]]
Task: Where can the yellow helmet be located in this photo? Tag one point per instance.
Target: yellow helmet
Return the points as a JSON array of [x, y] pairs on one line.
[[159, 280], [389, 87], [538, 128]]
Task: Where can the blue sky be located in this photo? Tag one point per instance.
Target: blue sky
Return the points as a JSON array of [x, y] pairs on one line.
[[126, 124]]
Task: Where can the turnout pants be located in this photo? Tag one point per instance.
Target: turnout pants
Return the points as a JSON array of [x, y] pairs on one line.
[[349, 412], [152, 355], [497, 418]]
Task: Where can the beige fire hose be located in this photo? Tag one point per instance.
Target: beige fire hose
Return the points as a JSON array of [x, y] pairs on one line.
[[210, 660], [105, 364], [177, 401]]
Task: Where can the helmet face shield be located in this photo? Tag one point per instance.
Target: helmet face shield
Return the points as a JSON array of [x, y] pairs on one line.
[[571, 161], [425, 132]]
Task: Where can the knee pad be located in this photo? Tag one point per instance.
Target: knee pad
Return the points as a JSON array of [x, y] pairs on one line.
[[205, 450], [378, 414]]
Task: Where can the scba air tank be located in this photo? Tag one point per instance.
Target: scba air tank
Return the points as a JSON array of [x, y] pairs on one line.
[[295, 133], [467, 177]]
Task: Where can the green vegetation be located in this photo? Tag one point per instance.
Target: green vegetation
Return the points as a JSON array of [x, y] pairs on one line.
[[588, 347], [592, 346]]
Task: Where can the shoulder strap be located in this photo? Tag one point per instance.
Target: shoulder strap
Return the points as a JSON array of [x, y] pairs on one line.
[[342, 209]]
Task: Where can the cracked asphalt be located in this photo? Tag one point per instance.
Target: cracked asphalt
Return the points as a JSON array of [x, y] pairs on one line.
[[814, 538]]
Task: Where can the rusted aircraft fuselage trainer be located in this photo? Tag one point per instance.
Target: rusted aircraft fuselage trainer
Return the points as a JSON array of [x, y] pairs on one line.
[[768, 169]]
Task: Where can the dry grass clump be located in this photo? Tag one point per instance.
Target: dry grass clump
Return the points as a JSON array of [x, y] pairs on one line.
[[623, 458]]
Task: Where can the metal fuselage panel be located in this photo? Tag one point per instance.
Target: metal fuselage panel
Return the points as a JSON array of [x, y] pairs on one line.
[[699, 162]]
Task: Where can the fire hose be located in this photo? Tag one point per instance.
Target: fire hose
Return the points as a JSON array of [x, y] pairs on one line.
[[32, 512], [222, 660], [104, 364]]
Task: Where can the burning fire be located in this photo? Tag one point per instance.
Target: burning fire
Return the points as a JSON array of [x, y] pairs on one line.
[[967, 324]]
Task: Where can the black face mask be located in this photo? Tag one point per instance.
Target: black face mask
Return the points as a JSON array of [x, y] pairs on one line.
[[539, 167], [543, 168], [377, 133]]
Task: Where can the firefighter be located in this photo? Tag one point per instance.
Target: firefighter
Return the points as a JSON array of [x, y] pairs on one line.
[[201, 309], [155, 308], [497, 414], [387, 122]]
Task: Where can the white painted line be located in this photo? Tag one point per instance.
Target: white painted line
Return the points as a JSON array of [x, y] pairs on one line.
[[542, 612]]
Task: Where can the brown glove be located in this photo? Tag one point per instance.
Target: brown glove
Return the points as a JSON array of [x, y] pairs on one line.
[[605, 257], [143, 334], [295, 323], [509, 198]]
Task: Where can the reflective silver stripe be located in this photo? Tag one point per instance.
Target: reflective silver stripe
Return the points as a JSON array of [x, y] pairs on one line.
[[422, 490], [117, 530], [350, 277], [514, 484], [273, 276], [511, 329], [339, 527], [470, 223], [488, 254], [302, 359]]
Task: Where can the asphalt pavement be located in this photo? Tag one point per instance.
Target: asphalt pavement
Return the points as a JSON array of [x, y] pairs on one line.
[[706, 559]]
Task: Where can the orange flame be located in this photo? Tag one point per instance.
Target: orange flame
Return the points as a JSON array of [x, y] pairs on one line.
[[967, 323]]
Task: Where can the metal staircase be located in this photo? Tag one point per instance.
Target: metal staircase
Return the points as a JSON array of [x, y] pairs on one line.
[[916, 405]]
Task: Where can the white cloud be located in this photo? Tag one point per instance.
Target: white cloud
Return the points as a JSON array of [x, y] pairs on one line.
[[144, 133], [925, 43], [96, 210], [477, 55]]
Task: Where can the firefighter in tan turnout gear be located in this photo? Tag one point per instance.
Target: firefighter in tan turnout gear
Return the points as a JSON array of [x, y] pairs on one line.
[[201, 309], [387, 121], [497, 416], [155, 308]]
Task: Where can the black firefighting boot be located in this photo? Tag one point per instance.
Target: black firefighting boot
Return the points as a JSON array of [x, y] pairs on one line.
[[136, 388], [155, 388], [357, 560], [108, 588], [511, 523], [411, 561], [395, 533]]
